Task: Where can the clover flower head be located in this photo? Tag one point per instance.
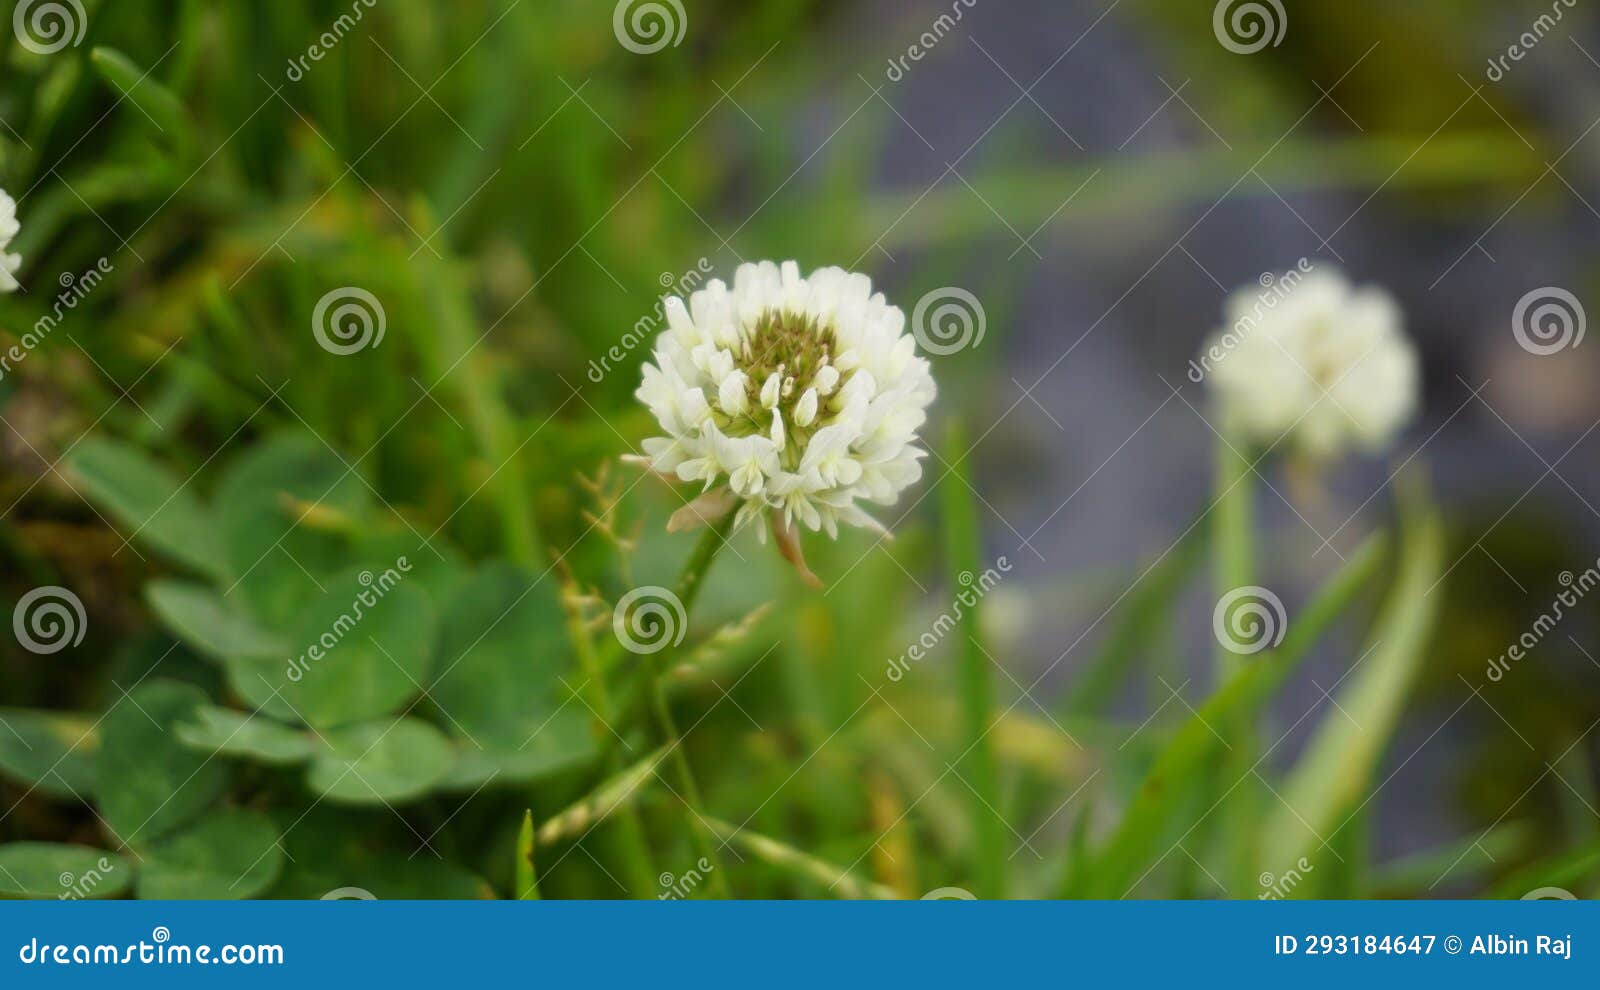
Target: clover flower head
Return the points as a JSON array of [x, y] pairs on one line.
[[1314, 362], [799, 395], [9, 263]]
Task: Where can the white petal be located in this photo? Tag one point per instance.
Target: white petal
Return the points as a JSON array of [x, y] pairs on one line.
[[731, 395], [806, 409]]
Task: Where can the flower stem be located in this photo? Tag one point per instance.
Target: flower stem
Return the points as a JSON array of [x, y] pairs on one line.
[[1234, 538], [687, 590], [1233, 519], [630, 831]]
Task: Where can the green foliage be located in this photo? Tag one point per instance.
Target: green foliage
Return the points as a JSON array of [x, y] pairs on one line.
[[52, 751], [148, 781], [47, 869], [209, 623], [150, 502], [228, 855], [507, 678], [247, 737], [229, 494], [380, 762]]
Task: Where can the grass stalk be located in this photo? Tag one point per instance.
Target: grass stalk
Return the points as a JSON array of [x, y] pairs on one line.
[[634, 849], [527, 881], [1233, 536], [454, 335], [786, 857], [688, 588]]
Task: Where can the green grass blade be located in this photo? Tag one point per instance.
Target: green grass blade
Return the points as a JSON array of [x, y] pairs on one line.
[[1154, 812], [1233, 522], [1139, 624], [527, 883], [977, 684], [594, 807], [833, 878], [1331, 782], [1420, 874], [155, 104], [1574, 871]]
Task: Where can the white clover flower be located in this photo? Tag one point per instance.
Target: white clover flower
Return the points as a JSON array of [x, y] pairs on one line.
[[9, 263], [1315, 358], [798, 395]]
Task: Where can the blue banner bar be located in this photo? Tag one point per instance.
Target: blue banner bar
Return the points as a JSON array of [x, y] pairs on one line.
[[799, 944]]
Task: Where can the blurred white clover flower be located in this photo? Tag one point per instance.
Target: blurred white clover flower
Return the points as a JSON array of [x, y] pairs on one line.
[[799, 395], [1317, 359], [9, 263]]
